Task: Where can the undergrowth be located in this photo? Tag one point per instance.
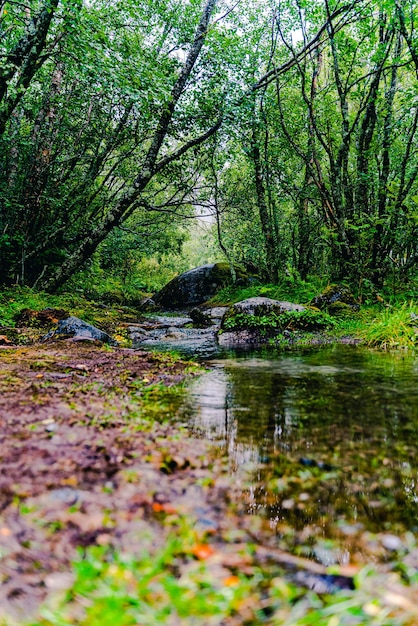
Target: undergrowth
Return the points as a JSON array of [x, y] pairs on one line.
[[299, 291], [14, 299], [393, 328], [288, 320], [182, 583]]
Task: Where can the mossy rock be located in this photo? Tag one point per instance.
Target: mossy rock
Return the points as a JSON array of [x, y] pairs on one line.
[[341, 309], [336, 299], [198, 285], [257, 311]]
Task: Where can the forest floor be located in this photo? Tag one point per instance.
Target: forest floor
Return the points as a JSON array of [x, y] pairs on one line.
[[83, 464], [104, 494]]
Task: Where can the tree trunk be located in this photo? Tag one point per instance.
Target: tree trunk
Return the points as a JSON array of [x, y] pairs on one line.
[[128, 202], [266, 226], [27, 55]]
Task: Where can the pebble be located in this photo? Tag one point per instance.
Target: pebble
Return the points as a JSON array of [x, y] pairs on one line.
[[391, 542]]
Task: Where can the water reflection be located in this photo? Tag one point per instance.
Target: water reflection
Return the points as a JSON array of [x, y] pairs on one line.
[[350, 411]]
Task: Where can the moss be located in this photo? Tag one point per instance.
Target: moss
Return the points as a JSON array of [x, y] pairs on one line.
[[340, 309], [334, 294], [221, 274]]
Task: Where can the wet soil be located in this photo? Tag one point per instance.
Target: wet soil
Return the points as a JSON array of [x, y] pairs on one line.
[[81, 464], [90, 456]]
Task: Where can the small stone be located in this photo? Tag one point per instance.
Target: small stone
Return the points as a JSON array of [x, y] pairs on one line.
[[51, 428], [59, 581], [391, 542], [66, 495], [288, 504]]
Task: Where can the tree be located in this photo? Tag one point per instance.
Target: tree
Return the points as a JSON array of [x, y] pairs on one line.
[[338, 147], [28, 39], [119, 120], [318, 134]]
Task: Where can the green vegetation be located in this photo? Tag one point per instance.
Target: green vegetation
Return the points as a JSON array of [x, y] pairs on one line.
[[112, 587], [120, 123], [393, 328], [292, 289], [288, 320], [139, 139], [388, 321]]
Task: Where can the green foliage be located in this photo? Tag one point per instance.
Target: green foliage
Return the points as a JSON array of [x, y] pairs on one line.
[[307, 320], [393, 328], [291, 288], [14, 299], [145, 587]]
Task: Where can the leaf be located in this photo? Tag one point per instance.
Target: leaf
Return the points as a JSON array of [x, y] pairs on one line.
[[168, 508], [203, 551]]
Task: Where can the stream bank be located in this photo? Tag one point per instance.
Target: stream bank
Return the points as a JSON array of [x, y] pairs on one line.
[[89, 464], [94, 475]]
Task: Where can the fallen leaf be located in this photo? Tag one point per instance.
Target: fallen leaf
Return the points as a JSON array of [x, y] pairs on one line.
[[71, 481], [203, 551], [157, 507]]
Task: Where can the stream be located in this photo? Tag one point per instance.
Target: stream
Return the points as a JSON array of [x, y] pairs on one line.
[[322, 442]]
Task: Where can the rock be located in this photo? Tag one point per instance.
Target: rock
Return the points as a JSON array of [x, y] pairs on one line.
[[258, 307], [75, 327], [64, 495], [197, 286], [200, 318], [391, 542], [147, 305], [240, 324], [336, 299], [217, 313]]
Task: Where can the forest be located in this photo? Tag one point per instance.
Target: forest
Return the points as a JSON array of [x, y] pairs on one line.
[[289, 129], [251, 460]]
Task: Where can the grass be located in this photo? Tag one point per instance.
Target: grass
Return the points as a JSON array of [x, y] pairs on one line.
[[14, 299], [393, 328], [184, 583], [298, 291]]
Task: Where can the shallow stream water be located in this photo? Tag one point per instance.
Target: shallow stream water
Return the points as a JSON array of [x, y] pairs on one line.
[[323, 441]]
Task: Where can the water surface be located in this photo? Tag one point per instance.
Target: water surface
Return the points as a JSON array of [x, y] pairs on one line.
[[324, 441]]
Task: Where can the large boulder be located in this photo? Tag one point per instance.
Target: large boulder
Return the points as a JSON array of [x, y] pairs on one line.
[[197, 286], [256, 320]]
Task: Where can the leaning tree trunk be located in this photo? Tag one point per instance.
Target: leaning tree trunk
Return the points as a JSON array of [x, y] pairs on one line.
[[126, 205], [28, 55]]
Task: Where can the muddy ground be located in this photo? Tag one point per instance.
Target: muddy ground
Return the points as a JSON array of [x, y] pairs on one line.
[[92, 453], [81, 466]]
